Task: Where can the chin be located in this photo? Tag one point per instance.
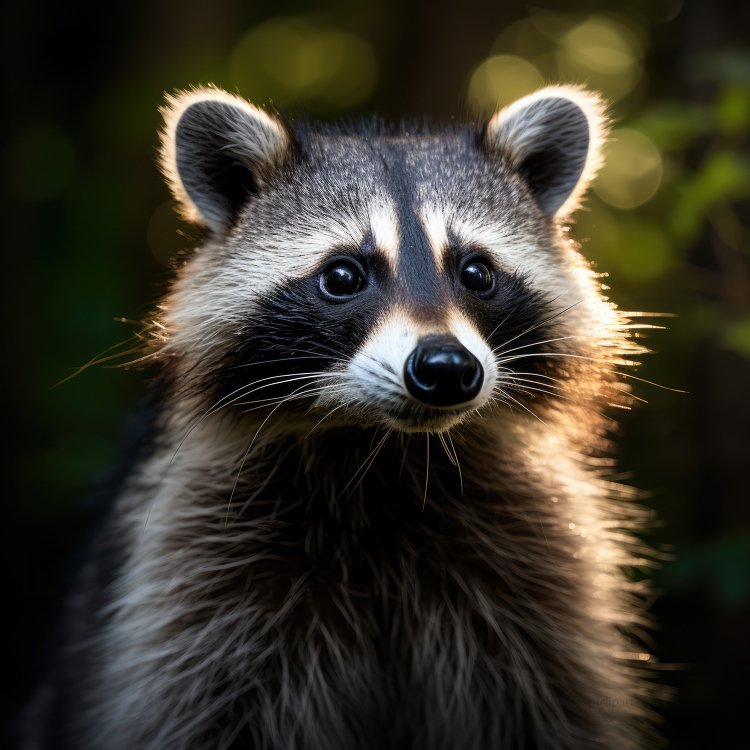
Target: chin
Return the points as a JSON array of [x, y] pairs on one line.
[[416, 418]]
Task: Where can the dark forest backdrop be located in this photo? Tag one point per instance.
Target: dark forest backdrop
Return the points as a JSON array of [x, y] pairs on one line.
[[88, 234]]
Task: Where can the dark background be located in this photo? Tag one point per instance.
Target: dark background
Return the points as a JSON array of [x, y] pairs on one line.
[[87, 234]]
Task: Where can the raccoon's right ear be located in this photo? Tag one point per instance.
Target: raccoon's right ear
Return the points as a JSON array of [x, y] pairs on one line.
[[553, 139], [217, 150]]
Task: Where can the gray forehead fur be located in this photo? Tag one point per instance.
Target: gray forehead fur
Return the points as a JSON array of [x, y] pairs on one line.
[[339, 173], [428, 165]]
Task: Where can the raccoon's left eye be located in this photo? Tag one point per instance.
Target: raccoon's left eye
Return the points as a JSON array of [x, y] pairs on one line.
[[477, 277], [342, 280]]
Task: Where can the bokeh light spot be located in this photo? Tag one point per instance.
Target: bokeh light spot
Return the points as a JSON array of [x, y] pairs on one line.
[[604, 53], [500, 80], [632, 170], [292, 59], [733, 110], [39, 163], [523, 39], [603, 45], [553, 24], [737, 336]]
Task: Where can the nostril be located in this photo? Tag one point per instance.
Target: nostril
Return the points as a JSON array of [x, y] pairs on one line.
[[442, 372], [470, 374]]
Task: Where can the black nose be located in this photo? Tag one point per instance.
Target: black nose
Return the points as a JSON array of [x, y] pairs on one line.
[[443, 372]]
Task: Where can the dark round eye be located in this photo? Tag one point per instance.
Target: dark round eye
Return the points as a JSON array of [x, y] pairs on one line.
[[342, 280], [476, 277]]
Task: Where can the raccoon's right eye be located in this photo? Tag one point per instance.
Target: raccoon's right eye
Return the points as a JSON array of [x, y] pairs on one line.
[[342, 280]]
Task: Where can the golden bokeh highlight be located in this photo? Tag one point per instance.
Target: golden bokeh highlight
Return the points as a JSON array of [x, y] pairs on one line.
[[599, 51], [632, 170], [500, 80], [293, 60], [604, 53], [603, 45], [524, 39]]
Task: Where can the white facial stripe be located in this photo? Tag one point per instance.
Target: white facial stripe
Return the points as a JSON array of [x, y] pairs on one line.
[[304, 252], [219, 297], [506, 249], [435, 224], [377, 370], [384, 227]]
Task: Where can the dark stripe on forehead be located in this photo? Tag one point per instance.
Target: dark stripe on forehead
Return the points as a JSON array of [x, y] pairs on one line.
[[418, 277]]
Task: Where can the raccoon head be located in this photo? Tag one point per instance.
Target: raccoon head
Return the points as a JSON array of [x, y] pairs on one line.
[[376, 277]]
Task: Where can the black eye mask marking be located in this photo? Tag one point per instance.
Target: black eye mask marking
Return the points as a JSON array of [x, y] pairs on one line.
[[506, 311], [302, 328]]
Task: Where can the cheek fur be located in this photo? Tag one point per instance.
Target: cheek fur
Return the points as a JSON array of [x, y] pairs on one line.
[[375, 376]]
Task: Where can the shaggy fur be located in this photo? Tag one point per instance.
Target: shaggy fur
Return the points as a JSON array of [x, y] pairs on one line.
[[303, 556]]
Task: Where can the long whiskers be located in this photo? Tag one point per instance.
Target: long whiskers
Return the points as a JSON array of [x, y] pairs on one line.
[[285, 359], [224, 402], [371, 458], [453, 456], [292, 396], [335, 409], [99, 358], [515, 401], [537, 325], [535, 343], [561, 354]]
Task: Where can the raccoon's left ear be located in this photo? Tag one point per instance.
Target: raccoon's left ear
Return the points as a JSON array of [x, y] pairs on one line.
[[217, 150], [553, 139]]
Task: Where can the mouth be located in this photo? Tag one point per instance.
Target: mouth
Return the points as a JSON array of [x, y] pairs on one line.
[[401, 413], [422, 418], [434, 400]]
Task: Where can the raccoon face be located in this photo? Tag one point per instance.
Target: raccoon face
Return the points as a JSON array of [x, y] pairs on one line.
[[367, 277]]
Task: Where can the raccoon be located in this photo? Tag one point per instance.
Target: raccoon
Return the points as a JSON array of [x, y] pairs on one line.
[[371, 508]]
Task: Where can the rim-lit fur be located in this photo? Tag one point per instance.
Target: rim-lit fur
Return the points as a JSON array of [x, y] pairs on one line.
[[306, 556]]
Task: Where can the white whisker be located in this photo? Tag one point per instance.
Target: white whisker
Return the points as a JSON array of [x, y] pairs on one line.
[[536, 343], [541, 323]]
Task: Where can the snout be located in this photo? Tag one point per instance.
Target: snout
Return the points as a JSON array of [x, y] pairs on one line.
[[443, 372]]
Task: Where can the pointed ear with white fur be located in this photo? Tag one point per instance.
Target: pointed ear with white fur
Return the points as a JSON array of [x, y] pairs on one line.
[[217, 150], [553, 139]]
